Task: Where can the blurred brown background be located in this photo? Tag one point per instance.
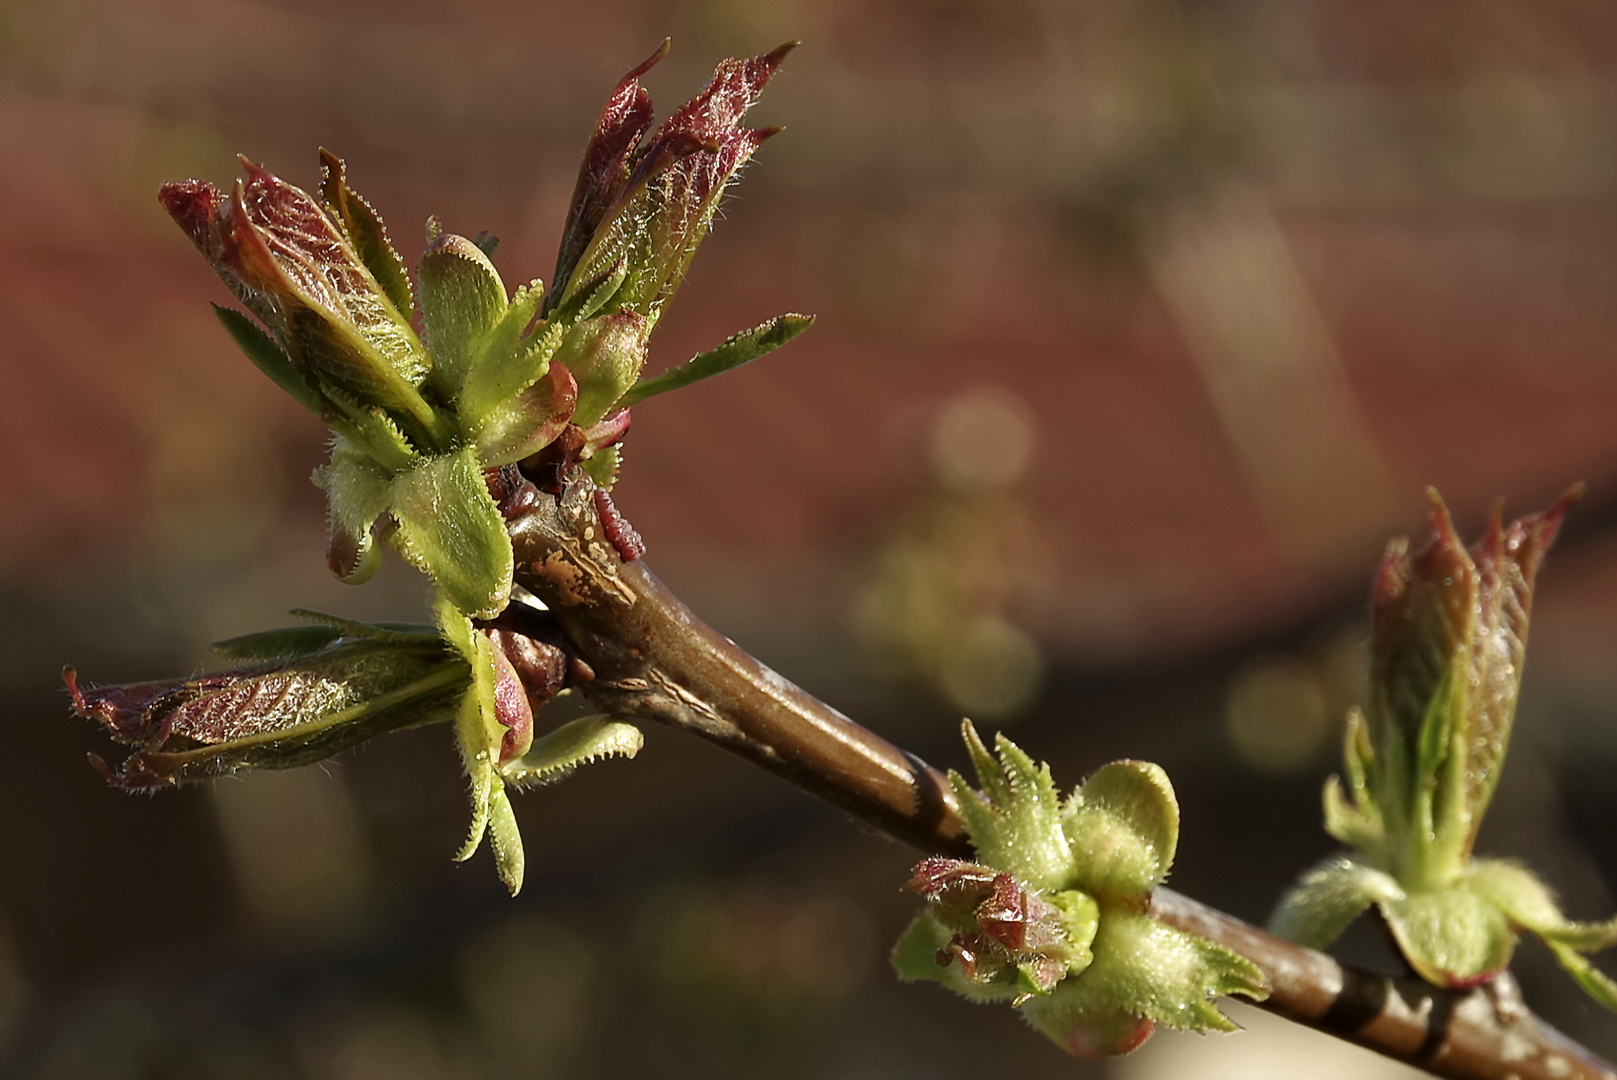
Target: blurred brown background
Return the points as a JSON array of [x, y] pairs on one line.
[[1142, 325]]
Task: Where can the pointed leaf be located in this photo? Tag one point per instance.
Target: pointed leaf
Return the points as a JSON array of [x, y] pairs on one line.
[[270, 358], [462, 298], [1329, 897], [680, 200], [1529, 903], [450, 529], [1596, 983], [507, 362], [739, 349], [577, 742], [506, 840], [1123, 823], [1015, 823], [393, 632], [287, 643], [605, 169], [364, 229]]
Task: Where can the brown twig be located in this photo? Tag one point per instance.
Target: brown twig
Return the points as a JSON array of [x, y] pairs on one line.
[[646, 655]]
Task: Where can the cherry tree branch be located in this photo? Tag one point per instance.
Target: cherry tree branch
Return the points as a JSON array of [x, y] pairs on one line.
[[641, 653]]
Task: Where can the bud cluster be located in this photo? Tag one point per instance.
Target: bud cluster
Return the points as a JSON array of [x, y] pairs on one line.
[[1448, 638], [434, 390], [1053, 917]]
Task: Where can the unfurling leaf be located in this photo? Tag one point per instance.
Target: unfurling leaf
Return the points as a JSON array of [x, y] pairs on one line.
[[742, 348], [577, 742], [296, 270], [364, 229], [1448, 640], [308, 693]]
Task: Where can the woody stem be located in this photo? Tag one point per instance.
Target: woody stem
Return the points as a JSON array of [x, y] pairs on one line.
[[653, 659]]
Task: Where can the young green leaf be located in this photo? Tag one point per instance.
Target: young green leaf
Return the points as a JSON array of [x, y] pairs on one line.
[[1329, 897], [577, 742], [364, 229], [739, 349], [462, 298], [450, 529], [269, 358]]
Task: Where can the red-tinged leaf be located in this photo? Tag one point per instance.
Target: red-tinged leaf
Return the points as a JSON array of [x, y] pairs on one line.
[[1448, 640], [294, 268], [606, 167], [734, 88], [664, 205], [274, 713], [607, 432], [531, 420], [364, 228], [511, 706]]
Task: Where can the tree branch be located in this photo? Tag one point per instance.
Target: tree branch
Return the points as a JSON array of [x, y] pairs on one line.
[[646, 655]]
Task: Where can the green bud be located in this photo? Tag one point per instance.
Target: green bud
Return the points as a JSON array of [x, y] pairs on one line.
[[1448, 640], [1054, 920], [605, 355]]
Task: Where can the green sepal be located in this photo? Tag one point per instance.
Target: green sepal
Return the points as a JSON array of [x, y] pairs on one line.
[[739, 349], [1596, 983], [577, 742], [1015, 821], [603, 465], [1329, 897], [506, 840], [525, 423], [358, 490], [450, 529], [373, 431], [915, 959], [1123, 823], [506, 362], [586, 296], [462, 298], [1451, 937], [1351, 813], [477, 760], [477, 728], [363, 227], [269, 358], [286, 643], [1143, 968], [1529, 903]]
